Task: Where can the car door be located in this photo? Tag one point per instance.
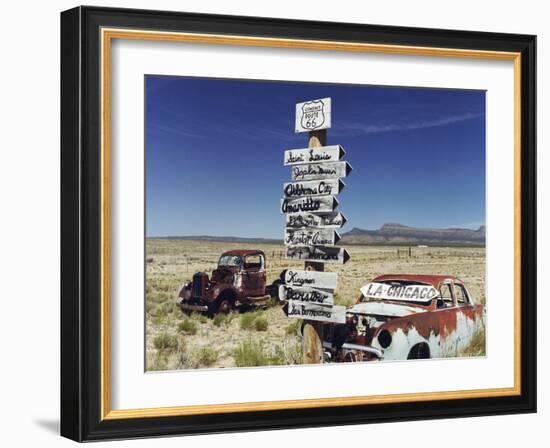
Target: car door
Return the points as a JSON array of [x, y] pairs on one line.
[[254, 275]]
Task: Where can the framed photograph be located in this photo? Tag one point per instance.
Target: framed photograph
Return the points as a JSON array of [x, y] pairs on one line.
[[277, 224]]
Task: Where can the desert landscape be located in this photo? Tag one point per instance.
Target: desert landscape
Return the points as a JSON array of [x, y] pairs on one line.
[[259, 337]]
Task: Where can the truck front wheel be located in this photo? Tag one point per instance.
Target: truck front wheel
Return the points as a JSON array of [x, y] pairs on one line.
[[223, 304]]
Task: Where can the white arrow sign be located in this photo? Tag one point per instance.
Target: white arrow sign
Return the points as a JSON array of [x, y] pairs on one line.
[[320, 254], [309, 295], [320, 154], [311, 237], [313, 188], [311, 311], [313, 115], [314, 171], [414, 293], [314, 279], [309, 204], [328, 221]]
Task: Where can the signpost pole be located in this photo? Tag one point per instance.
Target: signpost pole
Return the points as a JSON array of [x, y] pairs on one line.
[[312, 349]]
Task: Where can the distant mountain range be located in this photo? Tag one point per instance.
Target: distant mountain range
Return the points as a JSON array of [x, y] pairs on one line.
[[388, 234], [226, 239], [398, 234]]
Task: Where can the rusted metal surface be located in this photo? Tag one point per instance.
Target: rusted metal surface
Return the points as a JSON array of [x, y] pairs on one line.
[[431, 279], [404, 328], [243, 252], [387, 309], [240, 278]]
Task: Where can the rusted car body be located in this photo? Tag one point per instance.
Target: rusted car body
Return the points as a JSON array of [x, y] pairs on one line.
[[407, 317], [239, 279]]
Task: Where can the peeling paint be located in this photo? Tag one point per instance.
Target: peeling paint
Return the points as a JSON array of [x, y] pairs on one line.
[[436, 330]]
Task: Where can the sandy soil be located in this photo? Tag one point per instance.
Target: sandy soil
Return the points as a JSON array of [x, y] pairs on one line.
[[170, 263]]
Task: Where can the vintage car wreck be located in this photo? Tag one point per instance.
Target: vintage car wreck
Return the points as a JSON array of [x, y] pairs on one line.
[[239, 279], [400, 317]]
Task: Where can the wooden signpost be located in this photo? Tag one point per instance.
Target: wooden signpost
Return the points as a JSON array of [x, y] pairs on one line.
[[313, 188], [322, 313], [309, 204], [318, 254], [310, 237], [314, 171], [333, 220], [321, 154], [313, 279], [310, 295]]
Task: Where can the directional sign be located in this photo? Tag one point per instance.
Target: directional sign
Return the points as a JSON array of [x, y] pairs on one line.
[[314, 279], [314, 171], [309, 295], [414, 293], [319, 254], [313, 311], [321, 154], [333, 220], [309, 204], [313, 115], [311, 237], [313, 188]]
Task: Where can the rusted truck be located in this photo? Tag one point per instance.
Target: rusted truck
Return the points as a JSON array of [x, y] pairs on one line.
[[239, 279], [399, 317]]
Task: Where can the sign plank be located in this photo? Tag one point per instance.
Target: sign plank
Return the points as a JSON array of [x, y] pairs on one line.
[[321, 154], [333, 220], [309, 295], [319, 254], [313, 279], [313, 311], [313, 188], [309, 204], [311, 237], [414, 293], [313, 171], [313, 115]]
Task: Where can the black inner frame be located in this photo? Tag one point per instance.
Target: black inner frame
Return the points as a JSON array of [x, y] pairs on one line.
[[81, 220]]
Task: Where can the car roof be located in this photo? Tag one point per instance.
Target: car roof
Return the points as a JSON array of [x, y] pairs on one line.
[[243, 252], [431, 279]]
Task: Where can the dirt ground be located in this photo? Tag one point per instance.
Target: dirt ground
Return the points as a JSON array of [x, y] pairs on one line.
[[260, 337]]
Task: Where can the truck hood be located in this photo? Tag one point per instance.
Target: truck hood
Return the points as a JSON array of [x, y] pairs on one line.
[[385, 309]]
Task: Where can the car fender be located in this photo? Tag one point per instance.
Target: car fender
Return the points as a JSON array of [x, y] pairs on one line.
[[217, 290], [447, 331]]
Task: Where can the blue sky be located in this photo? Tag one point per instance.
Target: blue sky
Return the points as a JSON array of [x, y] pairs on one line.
[[214, 154]]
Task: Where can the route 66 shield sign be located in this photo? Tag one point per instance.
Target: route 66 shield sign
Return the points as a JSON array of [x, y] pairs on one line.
[[313, 115]]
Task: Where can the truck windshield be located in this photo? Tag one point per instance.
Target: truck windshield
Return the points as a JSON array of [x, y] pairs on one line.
[[230, 260]]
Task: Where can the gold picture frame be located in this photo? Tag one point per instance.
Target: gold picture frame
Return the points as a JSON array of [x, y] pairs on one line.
[[119, 25]]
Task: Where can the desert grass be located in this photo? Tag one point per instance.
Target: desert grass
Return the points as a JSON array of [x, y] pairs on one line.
[[478, 345], [188, 326], [170, 263]]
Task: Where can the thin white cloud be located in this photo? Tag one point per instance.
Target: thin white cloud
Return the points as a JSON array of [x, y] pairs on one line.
[[163, 129], [469, 225], [359, 128]]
